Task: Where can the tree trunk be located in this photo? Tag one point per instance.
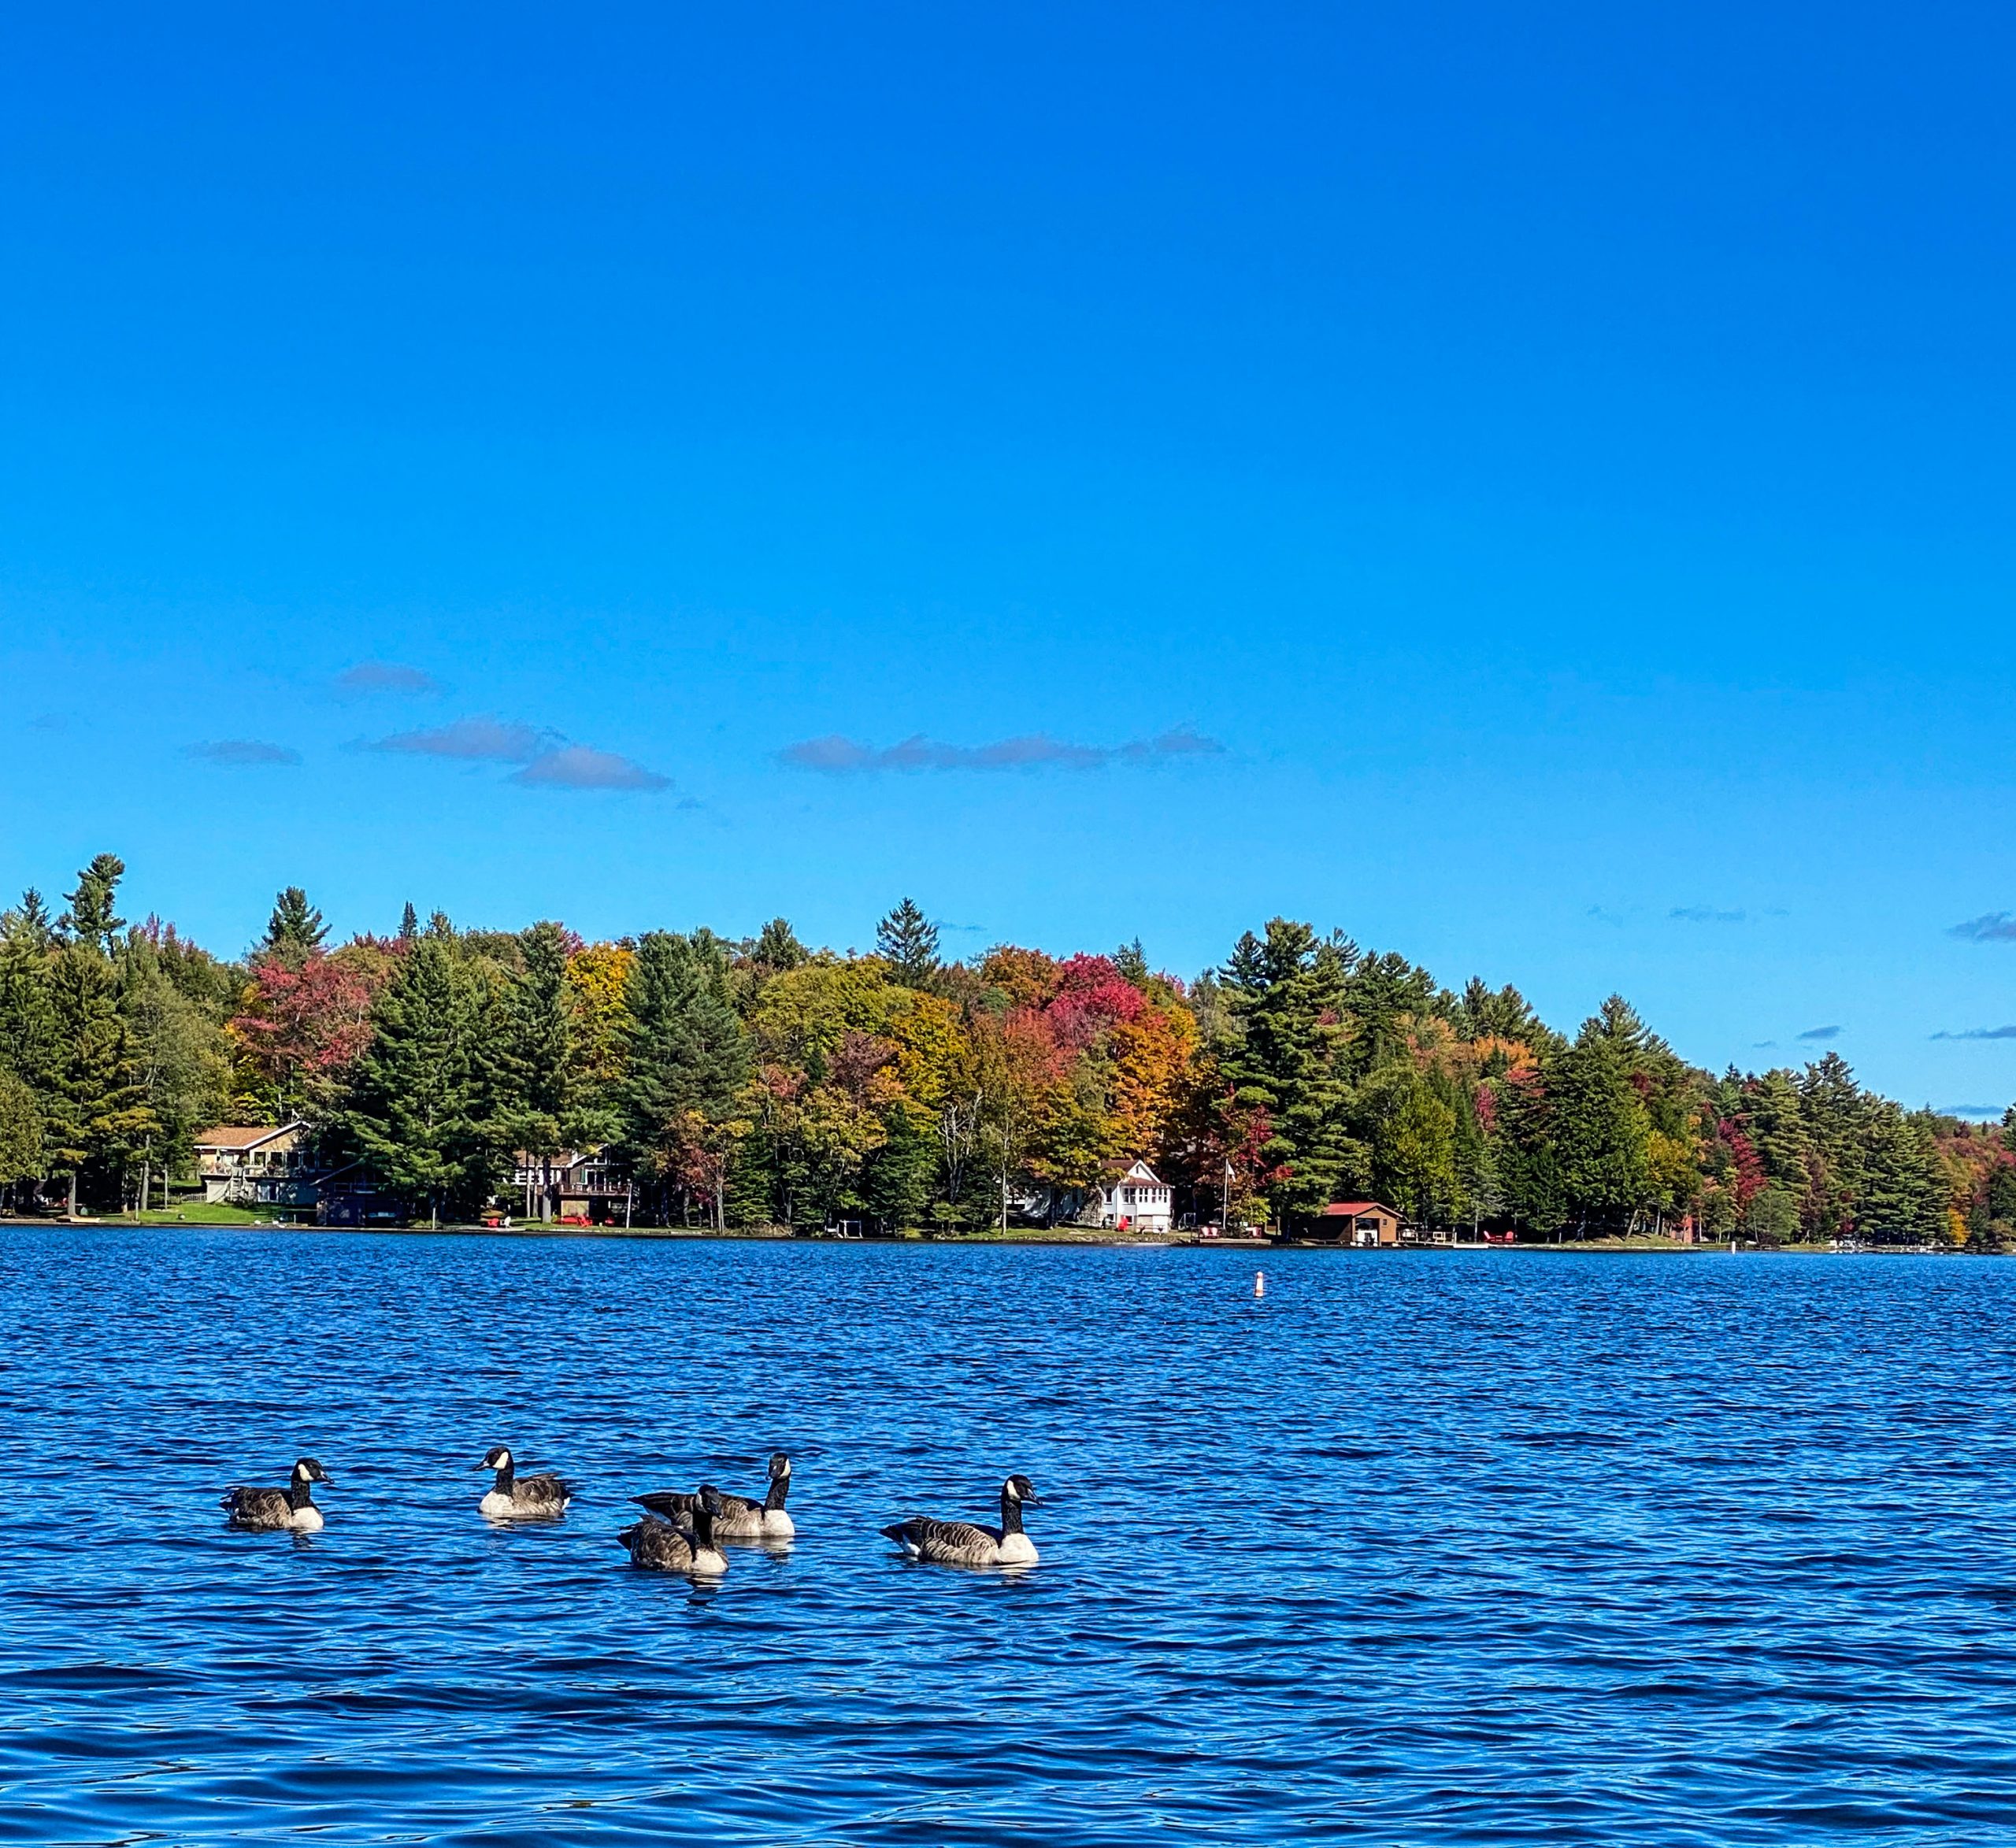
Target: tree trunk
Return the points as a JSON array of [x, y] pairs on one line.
[[70, 1211]]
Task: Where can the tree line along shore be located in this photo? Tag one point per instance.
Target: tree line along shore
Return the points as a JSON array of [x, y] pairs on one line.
[[755, 1082]]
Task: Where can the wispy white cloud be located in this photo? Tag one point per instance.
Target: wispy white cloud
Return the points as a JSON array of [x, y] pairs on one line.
[[1979, 1033], [482, 741], [836, 756], [1706, 914], [1991, 927], [576, 766], [248, 752], [1980, 1112], [385, 676], [546, 759]]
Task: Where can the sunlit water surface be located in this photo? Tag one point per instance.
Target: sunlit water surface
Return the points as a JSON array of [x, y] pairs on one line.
[[1423, 1548]]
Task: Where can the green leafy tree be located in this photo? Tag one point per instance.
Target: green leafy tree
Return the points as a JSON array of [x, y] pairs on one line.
[[908, 941], [1413, 1137]]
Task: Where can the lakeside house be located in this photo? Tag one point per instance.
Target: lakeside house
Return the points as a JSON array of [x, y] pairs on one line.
[[585, 1186], [257, 1165], [1136, 1201]]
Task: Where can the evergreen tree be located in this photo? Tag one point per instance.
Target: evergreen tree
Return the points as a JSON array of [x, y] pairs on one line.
[[908, 941], [408, 923], [1598, 1123], [1286, 994], [898, 1186], [538, 1045], [414, 1112], [689, 1058], [1132, 961], [27, 1016], [295, 930], [89, 919], [97, 1119], [778, 950]]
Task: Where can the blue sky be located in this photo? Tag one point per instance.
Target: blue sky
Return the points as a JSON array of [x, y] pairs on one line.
[[1531, 486]]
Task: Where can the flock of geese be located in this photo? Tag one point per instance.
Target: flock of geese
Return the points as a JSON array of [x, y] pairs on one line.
[[679, 1532]]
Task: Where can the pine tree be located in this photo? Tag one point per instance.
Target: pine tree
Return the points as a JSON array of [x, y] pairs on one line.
[[97, 1119], [408, 923], [21, 1156], [295, 930], [1286, 996], [413, 1113], [27, 1016], [778, 950], [689, 1058], [908, 941], [898, 1185], [1132, 961], [1601, 1134], [89, 919]]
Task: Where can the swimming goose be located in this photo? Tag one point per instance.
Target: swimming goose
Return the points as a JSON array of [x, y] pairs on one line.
[[268, 1509], [518, 1498], [739, 1518], [961, 1542], [655, 1547]]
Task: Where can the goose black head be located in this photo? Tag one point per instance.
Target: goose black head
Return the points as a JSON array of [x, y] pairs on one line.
[[779, 1464], [307, 1469], [710, 1498], [498, 1458], [1019, 1488]]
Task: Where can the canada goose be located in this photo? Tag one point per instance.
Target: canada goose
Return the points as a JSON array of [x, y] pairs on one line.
[[291, 1507], [656, 1546], [961, 1542], [739, 1518], [517, 1498]]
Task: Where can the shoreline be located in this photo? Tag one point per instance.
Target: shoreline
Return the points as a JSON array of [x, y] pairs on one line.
[[1052, 1238]]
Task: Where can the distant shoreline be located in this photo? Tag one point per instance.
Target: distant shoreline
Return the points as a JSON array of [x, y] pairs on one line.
[[1054, 1238]]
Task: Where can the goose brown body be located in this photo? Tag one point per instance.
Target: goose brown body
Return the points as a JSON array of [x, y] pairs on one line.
[[513, 1497], [656, 1545], [291, 1509], [965, 1542], [739, 1518]]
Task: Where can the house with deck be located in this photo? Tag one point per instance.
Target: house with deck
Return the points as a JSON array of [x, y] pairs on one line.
[[258, 1164], [588, 1186]]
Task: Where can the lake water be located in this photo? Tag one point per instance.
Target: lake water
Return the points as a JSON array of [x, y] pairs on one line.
[[1423, 1548]]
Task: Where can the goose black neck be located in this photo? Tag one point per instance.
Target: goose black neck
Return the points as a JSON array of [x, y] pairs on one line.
[[1011, 1514], [703, 1525], [299, 1493], [780, 1487], [506, 1471]]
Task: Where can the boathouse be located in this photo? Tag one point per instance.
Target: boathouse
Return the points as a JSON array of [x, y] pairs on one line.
[[1358, 1222]]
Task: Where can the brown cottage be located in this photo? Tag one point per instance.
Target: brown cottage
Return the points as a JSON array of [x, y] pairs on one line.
[[1358, 1222]]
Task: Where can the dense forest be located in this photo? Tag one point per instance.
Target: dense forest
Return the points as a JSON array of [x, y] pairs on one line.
[[756, 1081]]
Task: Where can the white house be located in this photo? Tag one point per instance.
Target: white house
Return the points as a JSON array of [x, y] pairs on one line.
[[1137, 1201]]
